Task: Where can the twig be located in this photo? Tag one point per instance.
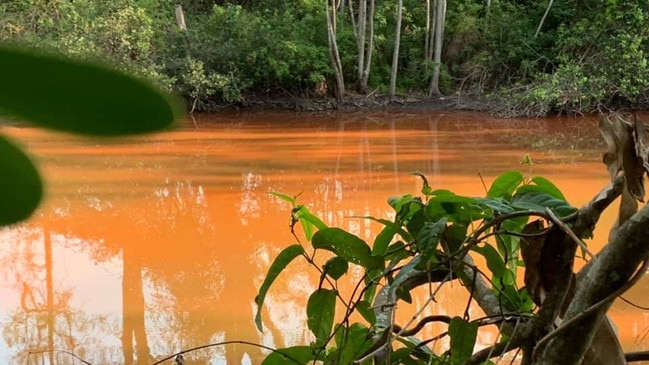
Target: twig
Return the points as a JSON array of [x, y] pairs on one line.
[[225, 343], [63, 351]]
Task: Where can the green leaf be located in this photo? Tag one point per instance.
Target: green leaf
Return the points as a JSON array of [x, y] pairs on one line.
[[538, 201], [365, 309], [284, 197], [353, 341], [21, 189], [404, 274], [347, 246], [402, 356], [542, 185], [79, 97], [396, 202], [299, 355], [505, 185], [497, 205], [385, 236], [463, 335], [320, 311], [279, 264], [429, 237], [336, 267], [455, 236], [425, 189], [382, 241], [495, 262], [456, 208], [308, 221]]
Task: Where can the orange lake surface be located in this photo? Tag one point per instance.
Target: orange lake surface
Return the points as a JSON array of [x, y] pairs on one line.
[[149, 245]]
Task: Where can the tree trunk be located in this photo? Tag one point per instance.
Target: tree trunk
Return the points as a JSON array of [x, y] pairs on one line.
[[369, 49], [334, 56], [395, 54], [440, 10], [360, 39], [427, 31], [351, 17]]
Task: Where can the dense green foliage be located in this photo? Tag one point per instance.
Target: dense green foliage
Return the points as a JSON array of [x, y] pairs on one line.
[[424, 244], [581, 55]]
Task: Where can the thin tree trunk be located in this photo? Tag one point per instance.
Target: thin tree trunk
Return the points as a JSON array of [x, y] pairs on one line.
[[439, 39], [545, 15], [351, 17], [334, 56], [395, 54], [369, 50], [431, 34], [427, 32], [360, 39]]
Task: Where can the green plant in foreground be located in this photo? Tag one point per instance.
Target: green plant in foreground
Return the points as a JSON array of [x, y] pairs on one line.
[[71, 96], [426, 243]]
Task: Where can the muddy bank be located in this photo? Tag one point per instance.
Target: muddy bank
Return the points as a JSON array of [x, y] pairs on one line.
[[357, 102]]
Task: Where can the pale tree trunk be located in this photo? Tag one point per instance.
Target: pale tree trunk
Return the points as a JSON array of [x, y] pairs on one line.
[[360, 40], [427, 32], [395, 54], [368, 51], [351, 17], [370, 45], [545, 15], [440, 10], [334, 56]]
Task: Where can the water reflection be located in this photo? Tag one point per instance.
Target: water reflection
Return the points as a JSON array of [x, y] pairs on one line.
[[150, 245]]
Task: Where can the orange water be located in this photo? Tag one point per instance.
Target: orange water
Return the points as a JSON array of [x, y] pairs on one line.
[[169, 236]]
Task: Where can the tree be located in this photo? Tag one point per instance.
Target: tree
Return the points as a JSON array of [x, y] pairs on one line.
[[395, 53], [558, 317], [365, 43], [440, 18], [334, 56]]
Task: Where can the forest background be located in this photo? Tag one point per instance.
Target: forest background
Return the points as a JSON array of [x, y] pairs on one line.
[[527, 58]]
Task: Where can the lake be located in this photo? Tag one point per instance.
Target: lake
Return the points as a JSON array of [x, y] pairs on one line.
[[149, 245]]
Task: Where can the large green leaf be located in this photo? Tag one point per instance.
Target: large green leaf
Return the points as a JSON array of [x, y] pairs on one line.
[[383, 239], [320, 311], [292, 355], [541, 184], [79, 97], [281, 261], [365, 309], [352, 342], [495, 262], [505, 185], [21, 188], [336, 267], [429, 237], [463, 335], [456, 208], [347, 246], [497, 205], [308, 221], [284, 197], [538, 201]]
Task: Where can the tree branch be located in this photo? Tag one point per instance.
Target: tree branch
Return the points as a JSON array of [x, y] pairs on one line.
[[609, 271]]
